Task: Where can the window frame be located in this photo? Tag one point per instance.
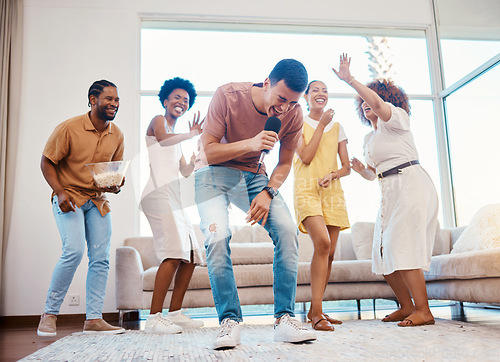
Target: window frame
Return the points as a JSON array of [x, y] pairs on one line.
[[430, 33]]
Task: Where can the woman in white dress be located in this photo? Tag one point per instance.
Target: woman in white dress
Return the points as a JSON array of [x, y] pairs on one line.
[[175, 242], [407, 220]]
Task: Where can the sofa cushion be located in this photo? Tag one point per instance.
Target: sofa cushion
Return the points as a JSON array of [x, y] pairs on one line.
[[362, 239], [246, 276], [442, 242], [483, 231], [343, 271], [259, 234], [471, 265], [252, 253], [248, 253]]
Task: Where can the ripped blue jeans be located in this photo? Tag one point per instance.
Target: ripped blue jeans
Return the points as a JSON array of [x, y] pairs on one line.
[[215, 188]]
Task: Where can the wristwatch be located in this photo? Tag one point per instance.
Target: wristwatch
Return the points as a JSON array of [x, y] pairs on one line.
[[272, 192]]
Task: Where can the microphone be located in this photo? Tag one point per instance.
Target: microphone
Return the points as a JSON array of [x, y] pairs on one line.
[[272, 124]]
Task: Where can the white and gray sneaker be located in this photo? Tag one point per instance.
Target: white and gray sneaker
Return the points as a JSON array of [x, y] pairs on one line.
[[287, 329], [157, 323], [229, 334], [183, 320]]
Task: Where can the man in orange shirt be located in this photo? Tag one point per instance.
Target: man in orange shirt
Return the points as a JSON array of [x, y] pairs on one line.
[[80, 208]]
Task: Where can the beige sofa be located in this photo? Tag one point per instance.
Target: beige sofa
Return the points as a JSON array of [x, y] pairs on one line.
[[467, 277]]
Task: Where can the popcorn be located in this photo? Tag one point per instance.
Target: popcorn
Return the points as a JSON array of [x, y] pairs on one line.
[[108, 179], [108, 174]]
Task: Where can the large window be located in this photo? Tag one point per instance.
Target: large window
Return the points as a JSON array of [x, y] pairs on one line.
[[210, 58], [470, 52], [473, 132], [461, 57]]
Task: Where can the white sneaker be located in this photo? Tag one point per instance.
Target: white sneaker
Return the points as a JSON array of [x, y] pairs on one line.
[[183, 320], [229, 334], [287, 329], [157, 323]]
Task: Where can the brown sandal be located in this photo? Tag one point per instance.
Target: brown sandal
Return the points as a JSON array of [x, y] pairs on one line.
[[407, 322], [322, 325], [394, 317], [326, 316], [331, 320]]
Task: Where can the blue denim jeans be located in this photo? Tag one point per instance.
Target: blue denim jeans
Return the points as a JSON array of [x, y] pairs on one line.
[[216, 187], [85, 226]]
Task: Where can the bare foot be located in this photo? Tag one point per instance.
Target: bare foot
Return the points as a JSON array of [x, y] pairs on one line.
[[326, 316], [397, 316], [419, 318]]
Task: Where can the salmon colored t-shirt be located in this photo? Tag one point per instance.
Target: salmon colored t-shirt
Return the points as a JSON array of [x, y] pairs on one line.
[[233, 117], [73, 144]]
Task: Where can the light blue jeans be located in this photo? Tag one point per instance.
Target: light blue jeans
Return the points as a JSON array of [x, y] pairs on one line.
[[216, 187], [85, 226]]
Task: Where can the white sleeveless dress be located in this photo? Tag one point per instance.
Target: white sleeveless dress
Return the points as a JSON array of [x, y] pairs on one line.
[[173, 233]]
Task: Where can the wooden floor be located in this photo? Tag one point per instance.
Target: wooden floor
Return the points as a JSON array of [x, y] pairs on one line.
[[18, 341]]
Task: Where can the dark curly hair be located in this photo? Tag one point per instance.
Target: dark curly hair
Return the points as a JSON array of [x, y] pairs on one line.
[[177, 83], [389, 92]]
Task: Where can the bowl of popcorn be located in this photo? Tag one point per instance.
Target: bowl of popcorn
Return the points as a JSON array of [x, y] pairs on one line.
[[108, 174]]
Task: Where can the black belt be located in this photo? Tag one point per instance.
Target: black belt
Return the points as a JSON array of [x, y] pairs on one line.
[[397, 169]]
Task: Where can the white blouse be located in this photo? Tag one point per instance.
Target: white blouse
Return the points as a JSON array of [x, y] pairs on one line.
[[392, 143]]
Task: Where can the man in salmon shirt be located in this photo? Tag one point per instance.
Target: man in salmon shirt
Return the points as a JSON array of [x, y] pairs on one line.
[[228, 172], [80, 208]]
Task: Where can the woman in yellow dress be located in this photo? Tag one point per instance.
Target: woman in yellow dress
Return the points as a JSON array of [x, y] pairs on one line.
[[318, 196]]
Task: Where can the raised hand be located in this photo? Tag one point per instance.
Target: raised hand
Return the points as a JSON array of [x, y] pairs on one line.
[[195, 127], [344, 73], [327, 117]]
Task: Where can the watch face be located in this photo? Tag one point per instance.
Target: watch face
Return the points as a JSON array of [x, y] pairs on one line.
[[272, 192]]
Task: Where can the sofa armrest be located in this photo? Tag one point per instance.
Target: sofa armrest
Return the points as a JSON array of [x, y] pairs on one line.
[[128, 278]]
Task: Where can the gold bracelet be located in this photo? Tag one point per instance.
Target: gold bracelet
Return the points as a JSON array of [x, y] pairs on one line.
[[351, 80]]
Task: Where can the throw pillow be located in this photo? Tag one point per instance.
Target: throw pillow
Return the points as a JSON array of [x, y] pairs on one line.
[[483, 231], [362, 239]]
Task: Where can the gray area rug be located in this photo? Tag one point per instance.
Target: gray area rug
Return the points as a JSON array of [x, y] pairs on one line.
[[353, 340]]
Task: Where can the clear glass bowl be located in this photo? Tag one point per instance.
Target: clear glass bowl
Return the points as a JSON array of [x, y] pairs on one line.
[[108, 174]]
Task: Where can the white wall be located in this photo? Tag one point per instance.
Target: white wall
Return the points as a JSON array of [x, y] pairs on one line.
[[68, 45]]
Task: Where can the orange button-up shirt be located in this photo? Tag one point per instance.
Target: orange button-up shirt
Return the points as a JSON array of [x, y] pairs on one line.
[[73, 144]]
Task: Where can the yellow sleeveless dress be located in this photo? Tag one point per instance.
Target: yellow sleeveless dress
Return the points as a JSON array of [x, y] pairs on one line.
[[310, 199]]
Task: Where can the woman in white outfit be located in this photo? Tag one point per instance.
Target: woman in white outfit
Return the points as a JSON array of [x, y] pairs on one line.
[[175, 242], [407, 220]]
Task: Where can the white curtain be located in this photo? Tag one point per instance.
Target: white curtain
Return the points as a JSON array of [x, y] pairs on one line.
[[11, 25]]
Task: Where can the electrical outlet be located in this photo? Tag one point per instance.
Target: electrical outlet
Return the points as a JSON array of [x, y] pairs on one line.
[[74, 299]]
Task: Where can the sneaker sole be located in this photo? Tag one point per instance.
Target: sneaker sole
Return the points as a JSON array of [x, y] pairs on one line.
[[296, 340], [118, 331], [226, 345], [163, 332], [189, 326], [46, 334]]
